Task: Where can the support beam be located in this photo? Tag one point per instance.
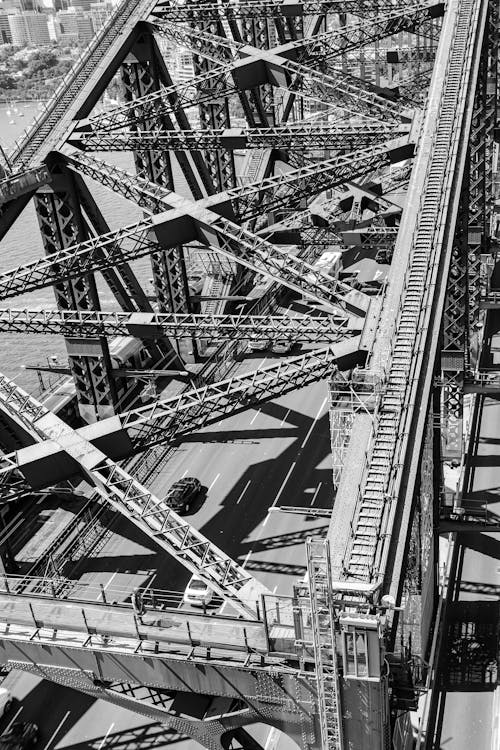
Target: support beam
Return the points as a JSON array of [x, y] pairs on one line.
[[135, 502], [74, 323]]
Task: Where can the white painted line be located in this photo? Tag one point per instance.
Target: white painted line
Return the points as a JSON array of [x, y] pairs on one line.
[[13, 719], [255, 416], [246, 558], [106, 736], [274, 589], [316, 493], [314, 423], [495, 728], [272, 739], [184, 473], [244, 490], [214, 481], [57, 730], [262, 363], [284, 418], [280, 491], [106, 585]]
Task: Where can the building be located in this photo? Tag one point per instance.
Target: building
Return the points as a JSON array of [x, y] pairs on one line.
[[5, 32], [80, 4], [100, 12], [29, 28], [73, 26]]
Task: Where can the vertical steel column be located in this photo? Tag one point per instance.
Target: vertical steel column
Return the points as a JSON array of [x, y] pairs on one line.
[[214, 114], [62, 225], [455, 336], [484, 120], [256, 33], [140, 77]]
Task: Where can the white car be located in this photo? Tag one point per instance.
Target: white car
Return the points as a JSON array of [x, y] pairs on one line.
[[282, 346], [257, 344], [197, 593], [5, 700]]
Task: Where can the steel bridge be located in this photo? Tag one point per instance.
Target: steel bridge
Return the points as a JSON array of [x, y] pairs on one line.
[[369, 129]]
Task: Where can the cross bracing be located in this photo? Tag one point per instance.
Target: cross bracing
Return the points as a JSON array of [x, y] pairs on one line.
[[341, 152], [168, 419], [336, 42], [307, 136], [179, 12], [126, 494], [157, 325]]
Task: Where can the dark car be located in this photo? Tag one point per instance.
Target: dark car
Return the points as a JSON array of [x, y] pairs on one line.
[[182, 493], [21, 735]]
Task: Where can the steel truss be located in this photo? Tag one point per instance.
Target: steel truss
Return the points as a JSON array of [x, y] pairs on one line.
[[125, 494], [329, 106], [74, 323], [176, 12], [168, 420]]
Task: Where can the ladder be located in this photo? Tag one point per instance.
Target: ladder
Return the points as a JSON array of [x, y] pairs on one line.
[[325, 654]]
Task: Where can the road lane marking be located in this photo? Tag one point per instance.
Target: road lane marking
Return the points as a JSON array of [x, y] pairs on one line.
[[244, 490], [105, 586], [13, 719], [314, 423], [495, 728], [214, 481], [246, 558], [184, 474], [272, 739], [106, 736], [316, 493], [255, 417], [262, 363], [280, 491], [57, 730], [284, 418]]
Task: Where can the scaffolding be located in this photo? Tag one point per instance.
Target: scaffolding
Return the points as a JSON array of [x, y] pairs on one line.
[[349, 396]]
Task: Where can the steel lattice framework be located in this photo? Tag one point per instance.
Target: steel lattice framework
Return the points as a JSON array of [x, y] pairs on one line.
[[362, 128]]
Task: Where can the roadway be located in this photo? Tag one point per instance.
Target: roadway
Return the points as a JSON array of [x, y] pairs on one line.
[[470, 708], [278, 454]]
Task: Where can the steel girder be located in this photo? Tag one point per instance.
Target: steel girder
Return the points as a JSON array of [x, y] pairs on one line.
[[481, 191], [176, 12], [467, 280], [169, 420], [146, 238], [76, 323], [76, 261], [214, 110], [125, 494], [341, 138], [121, 280], [409, 342], [335, 42], [256, 69], [62, 226], [18, 183], [141, 76], [286, 190]]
